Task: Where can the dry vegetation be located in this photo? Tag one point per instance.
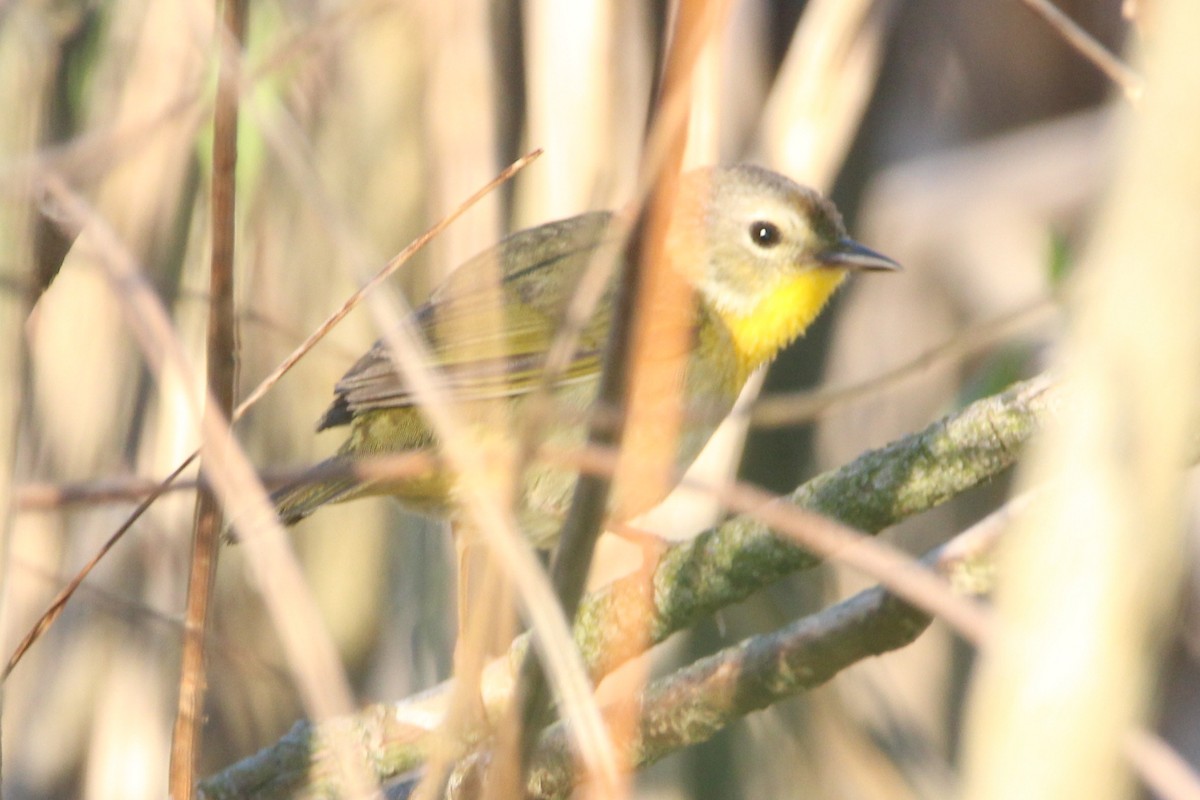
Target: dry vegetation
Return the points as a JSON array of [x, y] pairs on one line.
[[966, 139]]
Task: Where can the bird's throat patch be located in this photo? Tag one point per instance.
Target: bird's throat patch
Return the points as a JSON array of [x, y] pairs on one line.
[[784, 314]]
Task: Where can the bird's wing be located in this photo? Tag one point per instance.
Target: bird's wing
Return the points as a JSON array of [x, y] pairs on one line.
[[481, 354]]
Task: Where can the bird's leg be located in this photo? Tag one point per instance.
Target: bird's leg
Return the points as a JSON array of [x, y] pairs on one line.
[[482, 594], [485, 622]]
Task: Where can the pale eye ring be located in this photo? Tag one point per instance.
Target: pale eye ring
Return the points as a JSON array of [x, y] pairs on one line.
[[765, 234]]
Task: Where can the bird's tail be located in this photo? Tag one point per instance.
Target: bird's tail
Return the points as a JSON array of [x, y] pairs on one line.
[[296, 500]]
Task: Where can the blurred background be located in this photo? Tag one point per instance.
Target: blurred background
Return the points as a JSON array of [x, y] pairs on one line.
[[961, 137]]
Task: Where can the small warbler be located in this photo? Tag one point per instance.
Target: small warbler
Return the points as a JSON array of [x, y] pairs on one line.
[[762, 254]]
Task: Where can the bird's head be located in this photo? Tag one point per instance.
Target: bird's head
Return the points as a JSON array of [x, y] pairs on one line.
[[763, 252]]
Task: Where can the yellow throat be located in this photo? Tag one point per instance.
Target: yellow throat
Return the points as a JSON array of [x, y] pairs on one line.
[[781, 316]]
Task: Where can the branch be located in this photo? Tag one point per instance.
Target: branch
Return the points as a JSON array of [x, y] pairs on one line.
[[720, 567], [880, 488], [691, 705]]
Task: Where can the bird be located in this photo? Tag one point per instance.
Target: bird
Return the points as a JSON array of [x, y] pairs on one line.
[[761, 253]]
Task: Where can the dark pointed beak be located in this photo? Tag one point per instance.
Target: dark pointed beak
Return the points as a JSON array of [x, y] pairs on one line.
[[849, 254]]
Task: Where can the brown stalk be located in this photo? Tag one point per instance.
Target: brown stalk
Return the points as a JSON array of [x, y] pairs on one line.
[[646, 292], [222, 381]]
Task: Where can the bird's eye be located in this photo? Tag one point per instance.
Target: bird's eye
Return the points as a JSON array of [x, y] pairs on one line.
[[765, 234]]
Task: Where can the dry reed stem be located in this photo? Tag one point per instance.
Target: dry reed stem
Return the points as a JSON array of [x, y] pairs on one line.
[[651, 324], [1091, 574], [497, 528], [310, 654], [823, 88], [153, 492], [489, 517], [486, 512]]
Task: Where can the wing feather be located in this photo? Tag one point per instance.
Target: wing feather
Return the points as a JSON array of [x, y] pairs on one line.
[[540, 269]]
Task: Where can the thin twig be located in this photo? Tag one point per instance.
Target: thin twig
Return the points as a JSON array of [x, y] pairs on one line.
[[799, 407], [50, 496], [1085, 44], [397, 261], [1165, 772], [55, 608], [692, 704], [834, 542]]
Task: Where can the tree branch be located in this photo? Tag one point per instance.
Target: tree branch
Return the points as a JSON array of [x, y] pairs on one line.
[[691, 705], [720, 567], [880, 488]]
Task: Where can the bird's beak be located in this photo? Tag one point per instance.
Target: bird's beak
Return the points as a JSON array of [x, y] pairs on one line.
[[849, 254]]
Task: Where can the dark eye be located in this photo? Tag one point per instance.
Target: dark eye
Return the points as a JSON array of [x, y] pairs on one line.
[[765, 234]]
